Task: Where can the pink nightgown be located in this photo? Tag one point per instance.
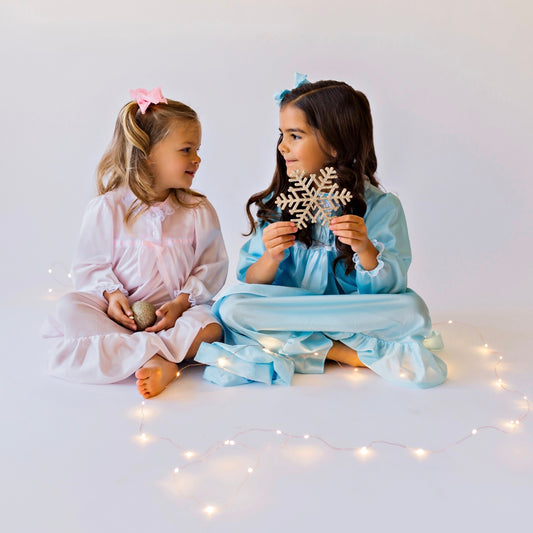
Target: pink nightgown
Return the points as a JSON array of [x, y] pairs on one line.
[[168, 250]]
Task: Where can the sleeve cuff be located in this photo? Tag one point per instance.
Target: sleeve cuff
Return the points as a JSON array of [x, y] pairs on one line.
[[380, 247], [192, 299], [110, 288]]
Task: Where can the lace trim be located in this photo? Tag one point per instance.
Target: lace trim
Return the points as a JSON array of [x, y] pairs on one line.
[[380, 247], [157, 211]]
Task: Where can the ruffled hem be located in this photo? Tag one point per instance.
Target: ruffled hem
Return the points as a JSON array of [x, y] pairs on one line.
[[380, 247], [407, 363], [116, 355], [102, 359], [230, 365]]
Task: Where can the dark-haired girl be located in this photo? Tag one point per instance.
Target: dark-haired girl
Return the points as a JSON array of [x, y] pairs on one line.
[[322, 292]]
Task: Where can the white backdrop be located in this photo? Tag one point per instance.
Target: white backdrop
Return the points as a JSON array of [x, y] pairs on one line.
[[449, 82], [450, 86]]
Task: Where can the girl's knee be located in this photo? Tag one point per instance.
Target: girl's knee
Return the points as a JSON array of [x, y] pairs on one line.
[[76, 303], [416, 313], [232, 309], [212, 332], [67, 304]]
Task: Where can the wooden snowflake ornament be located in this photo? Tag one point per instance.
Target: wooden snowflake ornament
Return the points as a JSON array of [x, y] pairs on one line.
[[313, 198]]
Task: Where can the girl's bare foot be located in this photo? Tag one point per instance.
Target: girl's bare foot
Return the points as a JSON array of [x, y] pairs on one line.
[[155, 375], [343, 354]]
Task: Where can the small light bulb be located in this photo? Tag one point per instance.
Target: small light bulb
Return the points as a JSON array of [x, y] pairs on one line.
[[142, 403], [50, 290], [49, 271], [486, 345], [278, 431], [209, 510], [517, 422], [176, 470], [363, 450], [402, 375], [420, 452], [189, 454], [450, 321], [226, 442], [356, 370], [525, 397], [501, 357], [232, 443], [474, 431], [69, 275], [177, 374], [316, 353], [144, 437], [306, 436], [250, 470]]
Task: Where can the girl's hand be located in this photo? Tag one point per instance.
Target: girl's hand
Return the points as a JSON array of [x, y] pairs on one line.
[[351, 230], [277, 237], [119, 309], [170, 312]]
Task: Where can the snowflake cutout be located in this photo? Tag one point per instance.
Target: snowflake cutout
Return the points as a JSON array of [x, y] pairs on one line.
[[313, 198]]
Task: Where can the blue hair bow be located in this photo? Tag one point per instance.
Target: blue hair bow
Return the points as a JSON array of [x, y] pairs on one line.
[[299, 79]]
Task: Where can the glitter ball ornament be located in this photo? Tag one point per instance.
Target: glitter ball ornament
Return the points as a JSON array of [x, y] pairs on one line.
[[143, 314]]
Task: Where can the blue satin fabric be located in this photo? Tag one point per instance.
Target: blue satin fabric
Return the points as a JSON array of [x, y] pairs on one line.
[[272, 331]]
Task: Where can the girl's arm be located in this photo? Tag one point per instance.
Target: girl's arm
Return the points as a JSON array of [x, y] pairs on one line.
[[382, 253], [170, 312], [210, 269], [92, 268], [276, 238]]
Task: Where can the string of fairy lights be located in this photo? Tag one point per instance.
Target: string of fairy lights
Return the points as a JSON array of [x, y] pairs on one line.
[[187, 458]]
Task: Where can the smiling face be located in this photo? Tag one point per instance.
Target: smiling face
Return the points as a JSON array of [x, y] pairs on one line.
[[301, 145], [175, 160]]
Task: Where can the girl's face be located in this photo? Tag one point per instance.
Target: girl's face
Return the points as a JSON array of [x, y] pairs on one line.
[[175, 160], [301, 145]]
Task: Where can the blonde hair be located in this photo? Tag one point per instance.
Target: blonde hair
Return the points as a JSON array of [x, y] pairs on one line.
[[125, 162]]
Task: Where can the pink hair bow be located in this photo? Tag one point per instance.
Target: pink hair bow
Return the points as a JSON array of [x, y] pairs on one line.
[[144, 98]]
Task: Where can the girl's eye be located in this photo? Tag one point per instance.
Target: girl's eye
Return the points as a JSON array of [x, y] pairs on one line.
[[295, 137], [186, 150]]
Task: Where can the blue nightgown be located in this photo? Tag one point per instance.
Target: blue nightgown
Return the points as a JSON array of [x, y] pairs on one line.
[[272, 331]]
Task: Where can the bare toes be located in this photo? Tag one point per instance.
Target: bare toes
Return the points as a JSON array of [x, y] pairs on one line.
[[143, 373]]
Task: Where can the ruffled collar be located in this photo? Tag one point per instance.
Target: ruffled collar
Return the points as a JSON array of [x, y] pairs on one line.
[[158, 211]]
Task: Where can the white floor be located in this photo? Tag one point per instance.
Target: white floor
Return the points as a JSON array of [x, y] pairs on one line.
[[74, 460], [450, 87]]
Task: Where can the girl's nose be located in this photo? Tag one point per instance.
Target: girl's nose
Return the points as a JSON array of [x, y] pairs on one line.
[[282, 148]]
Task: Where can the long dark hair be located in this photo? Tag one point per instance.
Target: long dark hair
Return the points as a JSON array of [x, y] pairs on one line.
[[342, 117]]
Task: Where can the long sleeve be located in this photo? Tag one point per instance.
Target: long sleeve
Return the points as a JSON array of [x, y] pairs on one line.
[[250, 252], [92, 268], [210, 268], [387, 229]]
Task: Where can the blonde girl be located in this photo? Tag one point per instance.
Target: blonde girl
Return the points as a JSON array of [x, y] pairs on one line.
[[148, 237]]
